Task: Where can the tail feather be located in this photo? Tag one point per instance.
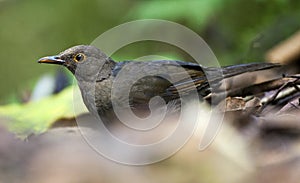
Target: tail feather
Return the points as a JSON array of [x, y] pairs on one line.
[[234, 70], [213, 75]]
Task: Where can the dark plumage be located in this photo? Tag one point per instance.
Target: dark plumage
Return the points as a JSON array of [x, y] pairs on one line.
[[96, 74]]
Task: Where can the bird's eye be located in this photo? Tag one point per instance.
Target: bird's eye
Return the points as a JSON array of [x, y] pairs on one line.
[[79, 57]]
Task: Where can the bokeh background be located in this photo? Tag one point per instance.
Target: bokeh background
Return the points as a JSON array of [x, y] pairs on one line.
[[39, 138], [238, 31]]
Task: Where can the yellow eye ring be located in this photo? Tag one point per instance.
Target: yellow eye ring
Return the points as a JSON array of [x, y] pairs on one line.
[[79, 57]]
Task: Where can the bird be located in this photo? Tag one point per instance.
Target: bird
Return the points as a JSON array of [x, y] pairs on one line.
[[136, 83]]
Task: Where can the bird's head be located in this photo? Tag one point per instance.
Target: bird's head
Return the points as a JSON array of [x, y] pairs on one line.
[[84, 61]]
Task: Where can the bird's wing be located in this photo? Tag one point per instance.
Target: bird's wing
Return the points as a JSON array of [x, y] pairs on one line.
[[170, 78], [158, 76]]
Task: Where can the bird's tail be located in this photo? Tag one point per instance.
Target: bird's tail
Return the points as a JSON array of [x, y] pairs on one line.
[[234, 70]]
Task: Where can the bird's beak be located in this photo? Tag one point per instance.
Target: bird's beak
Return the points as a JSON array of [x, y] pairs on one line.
[[52, 60]]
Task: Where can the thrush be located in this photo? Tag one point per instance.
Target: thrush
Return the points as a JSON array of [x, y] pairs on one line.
[[104, 82]]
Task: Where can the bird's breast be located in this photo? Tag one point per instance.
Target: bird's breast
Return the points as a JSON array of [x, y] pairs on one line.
[[96, 95]]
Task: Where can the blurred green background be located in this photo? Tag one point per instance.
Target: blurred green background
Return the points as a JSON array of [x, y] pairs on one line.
[[236, 30]]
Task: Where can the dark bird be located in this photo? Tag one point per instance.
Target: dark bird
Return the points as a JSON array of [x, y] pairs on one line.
[[135, 83]]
